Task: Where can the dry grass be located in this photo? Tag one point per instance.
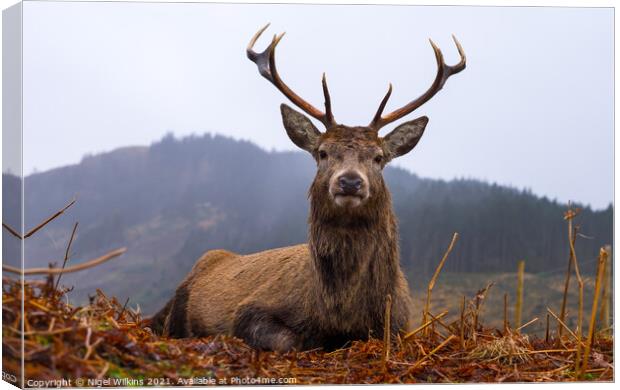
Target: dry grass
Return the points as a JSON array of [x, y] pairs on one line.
[[108, 340], [509, 349]]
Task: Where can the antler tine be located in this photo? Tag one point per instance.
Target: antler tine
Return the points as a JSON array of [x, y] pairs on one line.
[[444, 72], [377, 117], [266, 63], [252, 55], [328, 102]]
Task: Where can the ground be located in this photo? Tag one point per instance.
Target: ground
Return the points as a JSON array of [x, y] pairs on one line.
[[108, 343]]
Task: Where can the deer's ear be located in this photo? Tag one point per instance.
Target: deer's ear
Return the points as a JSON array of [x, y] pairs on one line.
[[299, 128], [405, 137]]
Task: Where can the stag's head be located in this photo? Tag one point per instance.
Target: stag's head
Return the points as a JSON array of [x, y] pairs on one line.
[[350, 160]]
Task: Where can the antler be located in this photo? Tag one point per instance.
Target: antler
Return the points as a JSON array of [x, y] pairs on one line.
[[266, 63], [443, 73]]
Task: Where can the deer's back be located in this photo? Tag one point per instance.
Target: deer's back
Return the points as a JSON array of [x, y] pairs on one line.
[[221, 282]]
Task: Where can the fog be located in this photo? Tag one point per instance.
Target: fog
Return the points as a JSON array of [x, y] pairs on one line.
[[533, 109]]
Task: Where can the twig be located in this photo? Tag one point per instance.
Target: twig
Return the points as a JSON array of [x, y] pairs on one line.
[[445, 326], [75, 268], [440, 346], [604, 319], [48, 220], [551, 351], [480, 296], [50, 328], [519, 304], [444, 377], [105, 369], [564, 325], [505, 312], [64, 263], [90, 347], [600, 331], [420, 328], [566, 286], [527, 324], [12, 231], [39, 306], [421, 348], [431, 284], [570, 217], [600, 270], [462, 335], [41, 332], [123, 310]]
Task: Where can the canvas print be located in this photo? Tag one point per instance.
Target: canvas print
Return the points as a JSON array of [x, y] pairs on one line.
[[286, 194]]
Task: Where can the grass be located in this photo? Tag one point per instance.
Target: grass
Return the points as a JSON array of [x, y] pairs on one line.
[[540, 291]]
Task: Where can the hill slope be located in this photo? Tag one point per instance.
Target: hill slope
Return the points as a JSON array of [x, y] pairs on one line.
[[172, 201]]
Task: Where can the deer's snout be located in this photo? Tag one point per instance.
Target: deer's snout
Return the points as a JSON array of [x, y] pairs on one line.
[[350, 183], [349, 188]]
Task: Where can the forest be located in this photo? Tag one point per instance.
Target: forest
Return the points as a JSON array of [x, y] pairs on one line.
[[177, 198]]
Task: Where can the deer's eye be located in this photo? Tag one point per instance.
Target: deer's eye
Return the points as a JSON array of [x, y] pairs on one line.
[[379, 159], [322, 154]]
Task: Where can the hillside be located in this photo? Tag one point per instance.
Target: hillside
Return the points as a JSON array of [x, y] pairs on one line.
[[175, 199]]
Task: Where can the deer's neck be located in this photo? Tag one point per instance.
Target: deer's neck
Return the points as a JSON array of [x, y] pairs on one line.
[[355, 256]]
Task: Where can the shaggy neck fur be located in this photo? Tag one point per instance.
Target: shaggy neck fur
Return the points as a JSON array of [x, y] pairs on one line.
[[356, 258]]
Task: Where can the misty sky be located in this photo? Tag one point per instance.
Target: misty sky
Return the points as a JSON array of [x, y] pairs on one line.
[[533, 109]]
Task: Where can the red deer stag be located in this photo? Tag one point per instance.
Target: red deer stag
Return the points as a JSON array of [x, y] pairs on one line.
[[333, 289]]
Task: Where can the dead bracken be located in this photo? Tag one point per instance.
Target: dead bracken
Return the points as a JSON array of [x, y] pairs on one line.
[[107, 339]]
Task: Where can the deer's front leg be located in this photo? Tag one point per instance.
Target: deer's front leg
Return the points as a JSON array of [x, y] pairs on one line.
[[264, 329]]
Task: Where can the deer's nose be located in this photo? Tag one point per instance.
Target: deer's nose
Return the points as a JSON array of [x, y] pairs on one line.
[[350, 183]]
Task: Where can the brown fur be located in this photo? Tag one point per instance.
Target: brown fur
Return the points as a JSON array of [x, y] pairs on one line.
[[333, 289], [321, 294]]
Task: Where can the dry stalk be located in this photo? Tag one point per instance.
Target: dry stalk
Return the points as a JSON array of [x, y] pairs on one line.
[[32, 232], [527, 324], [569, 216], [579, 325], [431, 284], [604, 319], [41, 332], [431, 353], [463, 323], [566, 284], [505, 313], [75, 268], [387, 331], [551, 351], [120, 314], [602, 259], [50, 328], [443, 325], [564, 325], [105, 369], [12, 231], [424, 326], [478, 300], [67, 254], [49, 219], [519, 304]]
